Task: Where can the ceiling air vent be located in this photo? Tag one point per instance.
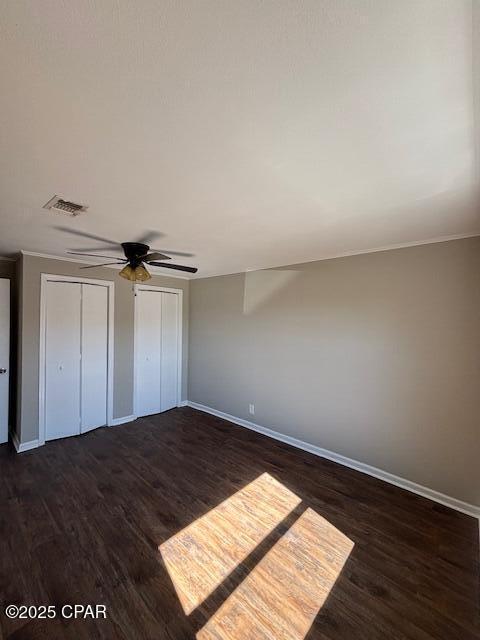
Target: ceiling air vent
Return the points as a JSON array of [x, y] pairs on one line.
[[65, 206]]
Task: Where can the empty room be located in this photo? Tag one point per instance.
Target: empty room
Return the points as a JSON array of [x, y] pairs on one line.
[[240, 320]]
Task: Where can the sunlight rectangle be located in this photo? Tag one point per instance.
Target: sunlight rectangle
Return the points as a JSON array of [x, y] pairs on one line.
[[202, 555], [282, 595]]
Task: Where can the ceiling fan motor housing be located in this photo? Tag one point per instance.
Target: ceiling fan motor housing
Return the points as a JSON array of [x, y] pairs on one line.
[[134, 252]]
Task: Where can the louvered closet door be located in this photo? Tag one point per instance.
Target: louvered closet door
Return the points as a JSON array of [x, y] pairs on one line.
[[94, 356], [62, 362]]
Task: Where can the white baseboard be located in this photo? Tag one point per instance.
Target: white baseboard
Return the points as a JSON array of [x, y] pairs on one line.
[[436, 496], [123, 420], [183, 403], [20, 447]]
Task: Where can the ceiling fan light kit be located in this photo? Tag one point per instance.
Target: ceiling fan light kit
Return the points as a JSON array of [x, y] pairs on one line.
[[137, 274]]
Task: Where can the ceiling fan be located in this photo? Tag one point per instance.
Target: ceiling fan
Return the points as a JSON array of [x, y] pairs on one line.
[[137, 255]]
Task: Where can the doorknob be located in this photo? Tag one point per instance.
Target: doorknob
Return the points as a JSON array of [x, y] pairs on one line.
[[2, 370]]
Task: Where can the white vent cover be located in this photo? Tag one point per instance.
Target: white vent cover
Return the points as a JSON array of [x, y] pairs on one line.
[[65, 206]]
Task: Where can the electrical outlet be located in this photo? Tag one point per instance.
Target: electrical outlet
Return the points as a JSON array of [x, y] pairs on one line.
[[251, 409]]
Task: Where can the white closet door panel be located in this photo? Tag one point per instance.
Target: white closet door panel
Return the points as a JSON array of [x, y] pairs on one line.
[[94, 348], [169, 353], [4, 356], [62, 365], [148, 352]]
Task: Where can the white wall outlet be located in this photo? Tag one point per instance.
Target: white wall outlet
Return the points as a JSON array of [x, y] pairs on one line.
[[251, 409]]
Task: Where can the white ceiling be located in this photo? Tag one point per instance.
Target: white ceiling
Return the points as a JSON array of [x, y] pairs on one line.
[[251, 133]]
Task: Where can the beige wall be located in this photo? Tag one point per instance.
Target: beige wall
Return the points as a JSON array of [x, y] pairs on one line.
[[31, 268], [7, 269], [375, 357]]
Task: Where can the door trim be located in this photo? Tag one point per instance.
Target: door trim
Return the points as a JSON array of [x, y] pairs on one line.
[[179, 292], [45, 278]]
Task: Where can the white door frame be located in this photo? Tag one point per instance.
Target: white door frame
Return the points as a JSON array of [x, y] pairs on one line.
[[45, 279], [179, 292]]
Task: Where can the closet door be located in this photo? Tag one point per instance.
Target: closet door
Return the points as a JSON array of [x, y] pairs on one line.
[[148, 348], [169, 354], [94, 356], [62, 362], [4, 356]]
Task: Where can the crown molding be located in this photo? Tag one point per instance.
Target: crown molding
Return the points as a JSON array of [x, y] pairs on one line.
[[401, 245], [157, 271], [360, 252], [347, 254]]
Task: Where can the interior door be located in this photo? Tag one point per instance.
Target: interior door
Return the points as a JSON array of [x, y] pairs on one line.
[[94, 356], [148, 351], [62, 360], [4, 356], [169, 354]]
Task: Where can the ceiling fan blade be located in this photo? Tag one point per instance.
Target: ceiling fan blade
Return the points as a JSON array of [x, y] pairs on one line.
[[178, 267], [105, 264], [84, 234], [100, 247], [149, 236], [148, 257], [183, 254], [95, 255]]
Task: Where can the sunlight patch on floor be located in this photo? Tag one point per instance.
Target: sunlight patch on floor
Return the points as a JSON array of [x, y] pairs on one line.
[[202, 555], [284, 592]]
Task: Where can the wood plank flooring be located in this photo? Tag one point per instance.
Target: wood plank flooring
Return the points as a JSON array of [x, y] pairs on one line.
[[186, 526]]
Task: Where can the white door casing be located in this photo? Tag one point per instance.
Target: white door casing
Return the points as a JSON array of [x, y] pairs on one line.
[[4, 356]]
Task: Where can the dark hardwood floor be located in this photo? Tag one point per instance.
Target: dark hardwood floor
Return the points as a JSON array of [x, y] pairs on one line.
[[82, 521]]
